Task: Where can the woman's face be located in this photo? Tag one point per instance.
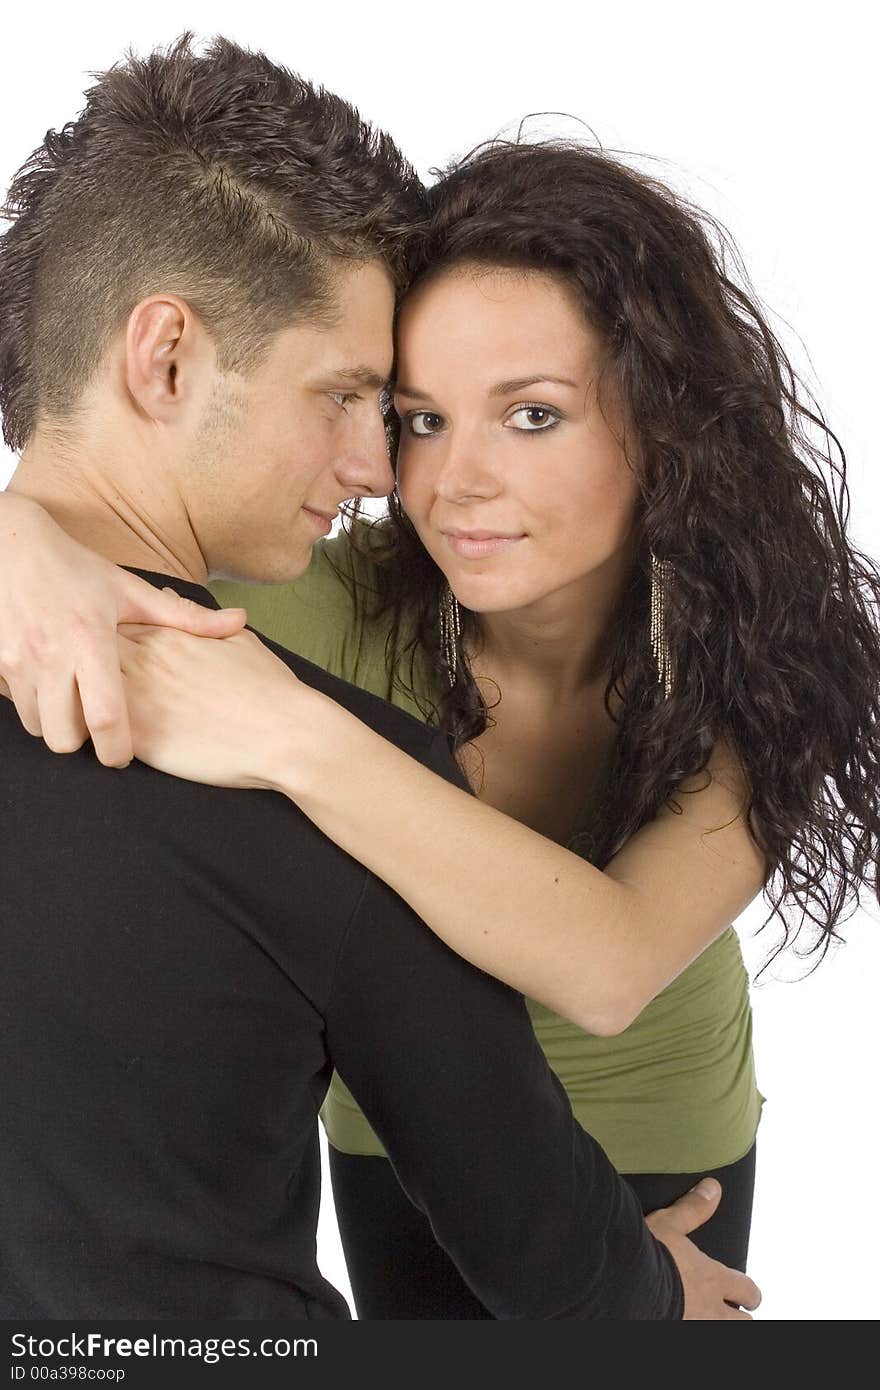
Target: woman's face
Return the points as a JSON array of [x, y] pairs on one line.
[[513, 477]]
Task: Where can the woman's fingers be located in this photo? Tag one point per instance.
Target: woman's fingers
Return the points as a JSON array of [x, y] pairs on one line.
[[79, 695], [102, 697], [140, 602], [60, 712], [61, 605], [65, 679], [24, 697]]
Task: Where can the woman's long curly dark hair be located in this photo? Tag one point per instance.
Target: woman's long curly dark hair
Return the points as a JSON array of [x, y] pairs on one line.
[[772, 614]]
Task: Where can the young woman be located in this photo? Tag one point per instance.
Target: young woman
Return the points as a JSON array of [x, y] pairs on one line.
[[614, 572]]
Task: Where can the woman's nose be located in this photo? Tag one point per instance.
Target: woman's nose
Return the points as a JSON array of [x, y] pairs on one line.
[[465, 473]]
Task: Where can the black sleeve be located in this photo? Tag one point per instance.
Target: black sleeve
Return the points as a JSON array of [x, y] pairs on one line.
[[445, 1064]]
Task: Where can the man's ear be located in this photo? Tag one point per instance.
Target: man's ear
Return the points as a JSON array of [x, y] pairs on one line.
[[166, 349]]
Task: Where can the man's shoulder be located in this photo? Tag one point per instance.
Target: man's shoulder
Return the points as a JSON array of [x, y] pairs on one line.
[[427, 744], [421, 741]]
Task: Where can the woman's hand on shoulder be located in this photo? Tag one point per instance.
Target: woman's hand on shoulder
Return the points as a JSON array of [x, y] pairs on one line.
[[60, 605], [227, 713]]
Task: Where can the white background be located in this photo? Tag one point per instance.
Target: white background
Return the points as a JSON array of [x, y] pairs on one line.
[[762, 116]]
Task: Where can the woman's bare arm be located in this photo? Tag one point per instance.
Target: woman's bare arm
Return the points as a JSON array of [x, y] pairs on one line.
[[595, 946]]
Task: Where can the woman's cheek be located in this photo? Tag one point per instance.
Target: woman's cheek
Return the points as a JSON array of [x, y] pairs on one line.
[[411, 490], [607, 493]]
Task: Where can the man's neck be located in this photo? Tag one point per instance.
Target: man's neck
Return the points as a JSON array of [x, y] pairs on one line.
[[130, 514]]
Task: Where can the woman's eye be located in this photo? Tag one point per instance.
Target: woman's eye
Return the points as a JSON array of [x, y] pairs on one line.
[[422, 422], [533, 418]]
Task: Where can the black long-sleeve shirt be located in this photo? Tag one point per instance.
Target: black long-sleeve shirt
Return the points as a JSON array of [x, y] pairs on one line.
[[182, 967]]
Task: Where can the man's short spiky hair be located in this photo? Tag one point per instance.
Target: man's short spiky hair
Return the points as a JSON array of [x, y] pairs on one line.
[[218, 176]]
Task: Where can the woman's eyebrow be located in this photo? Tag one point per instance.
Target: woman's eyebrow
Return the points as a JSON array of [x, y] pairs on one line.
[[410, 392], [507, 388], [501, 388]]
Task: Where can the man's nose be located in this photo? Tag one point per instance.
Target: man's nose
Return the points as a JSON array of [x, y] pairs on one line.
[[365, 467]]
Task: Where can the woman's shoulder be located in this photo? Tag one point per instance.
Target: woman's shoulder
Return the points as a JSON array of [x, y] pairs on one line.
[[339, 568], [331, 614]]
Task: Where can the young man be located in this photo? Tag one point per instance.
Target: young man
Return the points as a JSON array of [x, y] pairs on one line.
[[196, 310]]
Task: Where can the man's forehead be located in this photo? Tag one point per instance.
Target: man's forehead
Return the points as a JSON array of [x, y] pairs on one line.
[[325, 355]]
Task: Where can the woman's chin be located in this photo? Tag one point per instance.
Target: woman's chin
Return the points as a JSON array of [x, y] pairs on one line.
[[489, 597]]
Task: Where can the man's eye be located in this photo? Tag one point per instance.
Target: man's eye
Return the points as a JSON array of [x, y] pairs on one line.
[[534, 418], [422, 422], [343, 397]]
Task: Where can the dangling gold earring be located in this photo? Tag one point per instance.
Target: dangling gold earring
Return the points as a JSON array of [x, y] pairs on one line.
[[450, 631], [661, 581]]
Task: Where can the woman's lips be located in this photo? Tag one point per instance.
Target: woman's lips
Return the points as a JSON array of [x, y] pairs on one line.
[[476, 545]]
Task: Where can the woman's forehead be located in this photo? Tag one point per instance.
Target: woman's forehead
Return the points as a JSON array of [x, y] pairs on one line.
[[502, 324]]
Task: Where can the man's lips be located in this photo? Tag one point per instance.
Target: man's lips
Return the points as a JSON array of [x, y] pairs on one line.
[[323, 520]]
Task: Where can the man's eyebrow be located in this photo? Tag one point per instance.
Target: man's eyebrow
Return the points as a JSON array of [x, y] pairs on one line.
[[359, 376], [501, 388]]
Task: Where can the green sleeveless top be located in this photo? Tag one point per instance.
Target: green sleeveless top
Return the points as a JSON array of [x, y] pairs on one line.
[[674, 1093]]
